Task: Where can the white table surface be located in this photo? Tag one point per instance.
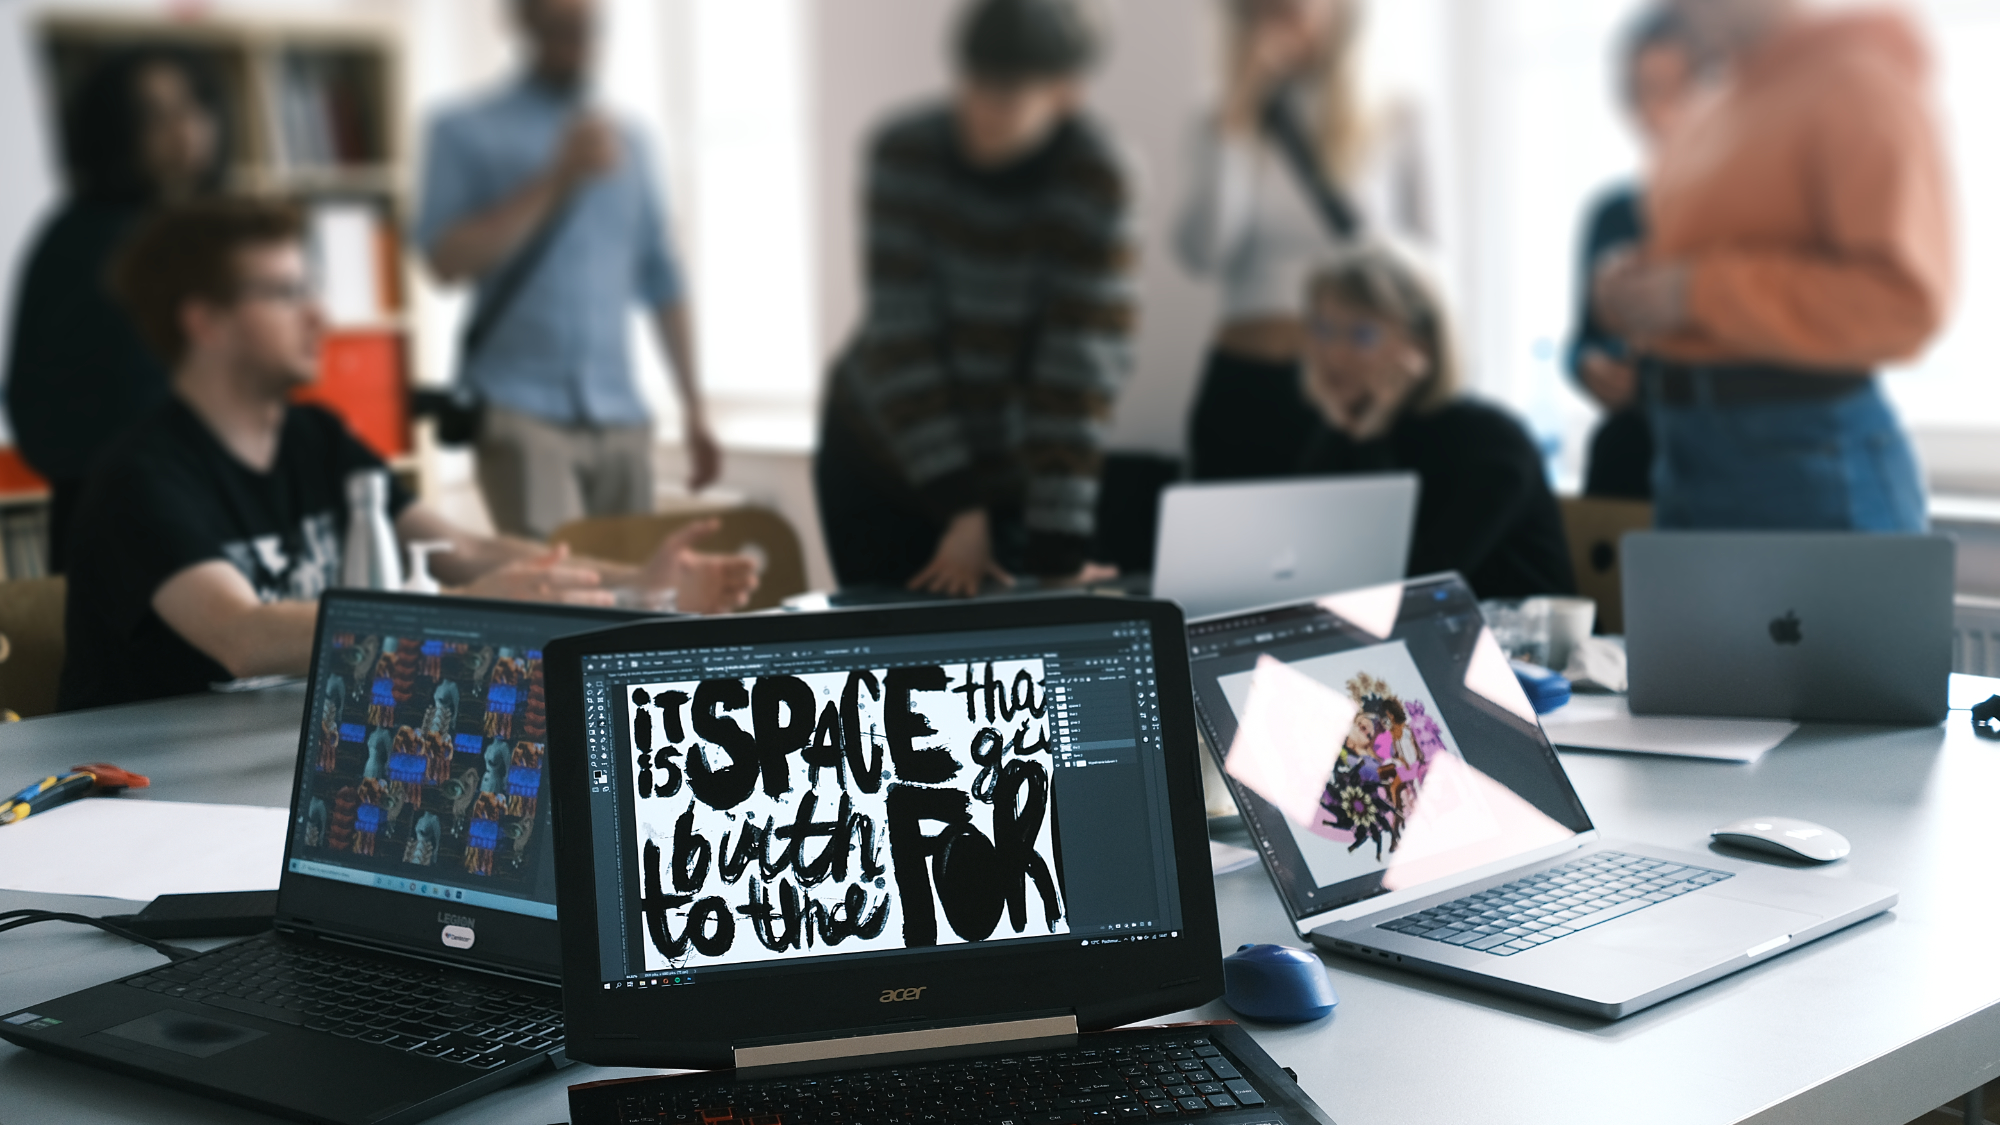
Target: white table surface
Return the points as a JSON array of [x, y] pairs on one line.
[[1877, 1024]]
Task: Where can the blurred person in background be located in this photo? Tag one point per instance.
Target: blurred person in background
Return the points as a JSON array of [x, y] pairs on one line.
[[1800, 237], [962, 441], [143, 128], [1659, 77], [205, 537], [533, 177], [1291, 166], [1381, 365]]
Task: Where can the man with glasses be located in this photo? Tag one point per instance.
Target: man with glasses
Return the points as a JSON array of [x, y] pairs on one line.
[[205, 536]]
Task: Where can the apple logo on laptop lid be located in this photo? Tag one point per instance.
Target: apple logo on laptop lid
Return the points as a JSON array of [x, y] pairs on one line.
[[1786, 630]]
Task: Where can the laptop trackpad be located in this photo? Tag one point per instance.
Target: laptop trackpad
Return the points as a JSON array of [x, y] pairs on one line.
[[1698, 930], [185, 1034]]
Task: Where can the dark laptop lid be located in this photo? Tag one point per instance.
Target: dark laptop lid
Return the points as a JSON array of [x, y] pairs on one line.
[[795, 827], [420, 817], [1377, 741]]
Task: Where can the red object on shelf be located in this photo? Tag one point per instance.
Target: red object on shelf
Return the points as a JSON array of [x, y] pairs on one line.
[[16, 476], [361, 380]]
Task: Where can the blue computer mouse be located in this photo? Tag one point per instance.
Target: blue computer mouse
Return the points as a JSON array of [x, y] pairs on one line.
[[1277, 983]]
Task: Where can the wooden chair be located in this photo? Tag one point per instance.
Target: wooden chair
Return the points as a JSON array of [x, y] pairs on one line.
[[31, 617], [1594, 526], [760, 531]]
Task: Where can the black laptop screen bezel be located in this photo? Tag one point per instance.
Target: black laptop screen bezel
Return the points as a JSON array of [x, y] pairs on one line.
[[1485, 730], [700, 1024], [518, 944]]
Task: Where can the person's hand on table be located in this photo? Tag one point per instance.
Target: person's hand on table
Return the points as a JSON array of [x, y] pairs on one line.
[[1613, 383], [545, 578], [964, 559], [1638, 299], [1091, 574], [701, 582]]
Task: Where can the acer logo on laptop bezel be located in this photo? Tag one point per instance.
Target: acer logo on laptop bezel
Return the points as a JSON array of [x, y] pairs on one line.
[[898, 995]]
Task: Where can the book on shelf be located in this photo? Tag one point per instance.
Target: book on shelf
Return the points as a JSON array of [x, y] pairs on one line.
[[329, 110], [24, 541], [361, 380], [356, 256]]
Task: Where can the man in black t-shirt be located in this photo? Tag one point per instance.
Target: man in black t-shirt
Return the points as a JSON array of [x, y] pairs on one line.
[[207, 532]]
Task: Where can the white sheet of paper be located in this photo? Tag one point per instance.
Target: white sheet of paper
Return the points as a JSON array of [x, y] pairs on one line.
[[1224, 858], [1604, 722], [116, 847]]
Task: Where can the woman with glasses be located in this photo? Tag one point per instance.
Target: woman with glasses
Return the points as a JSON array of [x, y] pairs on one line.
[[1292, 165], [143, 129], [1381, 368]]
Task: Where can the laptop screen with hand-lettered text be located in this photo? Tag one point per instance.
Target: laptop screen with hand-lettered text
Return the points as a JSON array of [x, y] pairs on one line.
[[796, 803]]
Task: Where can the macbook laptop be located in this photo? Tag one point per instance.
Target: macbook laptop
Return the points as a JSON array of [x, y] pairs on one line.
[[1226, 547], [893, 864], [1410, 812], [414, 961], [1837, 627]]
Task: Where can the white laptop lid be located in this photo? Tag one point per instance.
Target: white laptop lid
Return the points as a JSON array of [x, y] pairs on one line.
[[1238, 545]]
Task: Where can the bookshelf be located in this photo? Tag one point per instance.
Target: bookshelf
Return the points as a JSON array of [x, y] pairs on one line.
[[313, 109]]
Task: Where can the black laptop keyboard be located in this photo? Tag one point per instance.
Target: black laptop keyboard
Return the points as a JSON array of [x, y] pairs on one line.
[[1555, 902], [407, 1006], [1149, 1081]]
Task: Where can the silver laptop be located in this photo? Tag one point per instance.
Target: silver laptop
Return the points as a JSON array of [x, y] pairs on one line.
[[1410, 812], [1225, 547], [1836, 627]]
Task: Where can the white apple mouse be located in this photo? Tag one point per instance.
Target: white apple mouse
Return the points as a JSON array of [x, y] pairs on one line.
[[1797, 839]]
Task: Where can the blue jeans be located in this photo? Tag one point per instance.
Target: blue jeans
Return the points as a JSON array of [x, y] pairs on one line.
[[1840, 464]]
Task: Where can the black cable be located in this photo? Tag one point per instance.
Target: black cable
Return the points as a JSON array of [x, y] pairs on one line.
[[15, 919]]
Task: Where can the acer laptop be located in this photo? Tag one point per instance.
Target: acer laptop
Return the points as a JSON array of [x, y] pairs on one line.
[[1410, 812], [1231, 546], [893, 864], [414, 962], [1829, 626]]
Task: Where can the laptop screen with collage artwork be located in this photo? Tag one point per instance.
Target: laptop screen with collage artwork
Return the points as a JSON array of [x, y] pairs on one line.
[[426, 765]]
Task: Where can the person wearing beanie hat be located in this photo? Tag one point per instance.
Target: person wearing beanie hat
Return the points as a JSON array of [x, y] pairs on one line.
[[963, 432], [1012, 40]]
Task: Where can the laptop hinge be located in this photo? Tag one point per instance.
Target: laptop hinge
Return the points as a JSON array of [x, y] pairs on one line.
[[894, 1047], [313, 933]]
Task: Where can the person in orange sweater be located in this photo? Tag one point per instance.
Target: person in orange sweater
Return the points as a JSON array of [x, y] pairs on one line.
[[1801, 237]]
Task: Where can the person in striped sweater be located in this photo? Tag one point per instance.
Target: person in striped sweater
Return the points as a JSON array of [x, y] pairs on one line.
[[963, 432]]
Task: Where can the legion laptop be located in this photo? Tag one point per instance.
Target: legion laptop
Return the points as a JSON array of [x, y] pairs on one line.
[[414, 962], [1833, 626], [1410, 812], [893, 864], [1231, 546]]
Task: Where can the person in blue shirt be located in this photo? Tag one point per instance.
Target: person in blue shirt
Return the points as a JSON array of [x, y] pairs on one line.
[[565, 432], [1660, 72]]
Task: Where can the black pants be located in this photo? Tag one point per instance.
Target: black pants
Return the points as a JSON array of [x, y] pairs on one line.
[[877, 534], [1621, 457], [1250, 420]]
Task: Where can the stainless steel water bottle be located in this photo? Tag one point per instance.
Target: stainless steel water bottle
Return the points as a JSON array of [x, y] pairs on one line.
[[371, 560]]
